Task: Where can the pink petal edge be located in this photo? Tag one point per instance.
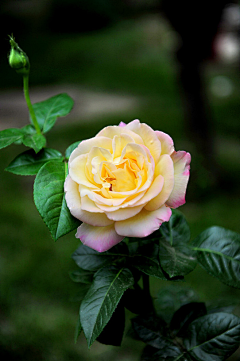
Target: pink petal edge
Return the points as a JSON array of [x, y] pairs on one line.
[[100, 239], [122, 124]]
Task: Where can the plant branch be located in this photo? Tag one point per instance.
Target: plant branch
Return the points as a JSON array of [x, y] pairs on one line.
[[29, 104]]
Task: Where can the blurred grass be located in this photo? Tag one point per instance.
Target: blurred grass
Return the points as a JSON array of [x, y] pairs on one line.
[[37, 316]]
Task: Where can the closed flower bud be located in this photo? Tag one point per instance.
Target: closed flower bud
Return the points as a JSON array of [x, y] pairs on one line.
[[18, 60]]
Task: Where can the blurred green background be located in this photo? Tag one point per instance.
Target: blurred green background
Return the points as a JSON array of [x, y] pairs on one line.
[[119, 61]]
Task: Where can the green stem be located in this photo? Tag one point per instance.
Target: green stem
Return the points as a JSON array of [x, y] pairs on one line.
[[29, 104]]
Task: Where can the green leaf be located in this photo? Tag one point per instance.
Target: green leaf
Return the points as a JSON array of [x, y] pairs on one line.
[[176, 230], [150, 329], [78, 330], [71, 148], [148, 266], [35, 141], [50, 200], [9, 136], [49, 110], [29, 163], [91, 260], [177, 260], [81, 276], [112, 333], [218, 252], [168, 353], [185, 315], [213, 337], [102, 298], [146, 260]]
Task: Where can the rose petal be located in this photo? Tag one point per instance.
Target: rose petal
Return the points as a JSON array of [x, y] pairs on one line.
[[113, 130], [72, 196], [119, 142], [77, 171], [149, 137], [144, 223], [124, 213], [153, 190], [166, 142], [166, 169], [86, 145], [99, 238], [74, 204], [122, 124], [181, 161]]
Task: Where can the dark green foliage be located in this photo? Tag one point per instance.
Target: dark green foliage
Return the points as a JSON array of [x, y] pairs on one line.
[[102, 298], [29, 163], [218, 252]]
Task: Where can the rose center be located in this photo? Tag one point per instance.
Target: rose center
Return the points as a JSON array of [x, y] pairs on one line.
[[121, 178]]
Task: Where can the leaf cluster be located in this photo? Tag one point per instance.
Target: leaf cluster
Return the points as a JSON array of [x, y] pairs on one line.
[[192, 335], [48, 165]]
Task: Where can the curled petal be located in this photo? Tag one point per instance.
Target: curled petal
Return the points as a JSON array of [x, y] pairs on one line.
[[124, 213], [166, 142], [166, 170], [181, 161], [72, 196], [99, 238], [86, 145], [149, 137], [77, 172], [113, 130], [74, 204], [144, 223]]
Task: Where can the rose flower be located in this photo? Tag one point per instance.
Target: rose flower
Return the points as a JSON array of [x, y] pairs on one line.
[[124, 182]]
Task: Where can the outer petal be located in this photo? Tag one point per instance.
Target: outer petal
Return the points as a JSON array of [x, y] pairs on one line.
[[122, 124], [113, 130], [77, 171], [124, 213], [166, 170], [149, 137], [72, 196], [166, 142], [99, 238], [144, 223], [181, 161], [73, 200], [86, 145]]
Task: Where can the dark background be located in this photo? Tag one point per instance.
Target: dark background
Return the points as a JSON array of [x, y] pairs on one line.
[[174, 66]]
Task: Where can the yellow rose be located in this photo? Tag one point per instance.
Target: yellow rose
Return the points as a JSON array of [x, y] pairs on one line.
[[124, 182]]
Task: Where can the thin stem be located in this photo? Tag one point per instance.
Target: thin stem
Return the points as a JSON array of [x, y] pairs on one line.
[[29, 104]]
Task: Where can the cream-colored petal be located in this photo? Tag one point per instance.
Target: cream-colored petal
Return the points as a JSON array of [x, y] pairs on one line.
[[72, 196], [113, 130], [77, 171], [166, 142], [86, 145], [153, 191], [166, 169], [99, 238], [181, 161], [73, 200], [124, 213], [149, 137], [144, 223], [119, 142], [88, 205]]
